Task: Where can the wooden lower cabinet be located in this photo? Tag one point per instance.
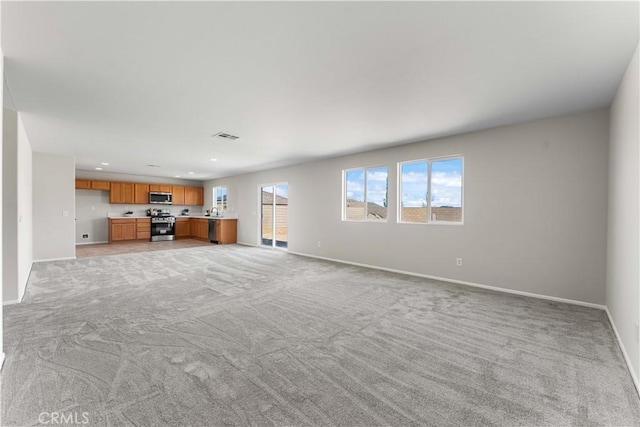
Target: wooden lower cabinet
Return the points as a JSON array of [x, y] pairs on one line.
[[143, 229], [122, 229], [226, 231], [200, 228], [183, 227]]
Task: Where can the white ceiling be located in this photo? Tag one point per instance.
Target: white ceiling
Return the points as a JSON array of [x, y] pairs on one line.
[[137, 83]]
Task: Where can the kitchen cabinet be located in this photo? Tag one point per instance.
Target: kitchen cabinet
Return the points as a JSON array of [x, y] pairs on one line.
[[141, 194], [87, 184], [226, 231], [178, 195], [200, 228], [143, 229], [160, 188], [193, 196], [183, 227], [100, 185], [83, 184], [122, 229], [121, 193], [190, 196], [199, 196]]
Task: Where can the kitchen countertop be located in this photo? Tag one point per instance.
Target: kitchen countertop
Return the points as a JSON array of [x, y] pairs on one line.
[[177, 216]]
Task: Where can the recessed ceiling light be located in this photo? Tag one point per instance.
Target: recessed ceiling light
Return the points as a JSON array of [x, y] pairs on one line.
[[98, 169], [191, 173], [214, 160], [177, 176], [104, 164]]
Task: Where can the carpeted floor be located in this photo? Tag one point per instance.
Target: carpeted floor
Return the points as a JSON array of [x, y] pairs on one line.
[[235, 335]]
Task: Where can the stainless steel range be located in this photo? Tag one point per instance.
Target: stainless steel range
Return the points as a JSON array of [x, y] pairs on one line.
[[163, 228]]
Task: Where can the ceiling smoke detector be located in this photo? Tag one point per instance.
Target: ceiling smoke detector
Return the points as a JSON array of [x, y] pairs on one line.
[[224, 135]]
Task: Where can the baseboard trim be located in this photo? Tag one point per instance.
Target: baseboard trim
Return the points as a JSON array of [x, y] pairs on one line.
[[461, 282], [11, 302], [91, 243], [1, 360], [248, 244], [634, 376], [55, 259]]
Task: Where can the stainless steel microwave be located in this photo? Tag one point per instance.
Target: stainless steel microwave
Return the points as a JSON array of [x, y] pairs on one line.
[[156, 198]]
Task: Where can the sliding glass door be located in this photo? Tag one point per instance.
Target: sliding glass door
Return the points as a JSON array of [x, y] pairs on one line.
[[274, 206]]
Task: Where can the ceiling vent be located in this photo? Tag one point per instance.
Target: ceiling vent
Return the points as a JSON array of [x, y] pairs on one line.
[[154, 166], [224, 135]]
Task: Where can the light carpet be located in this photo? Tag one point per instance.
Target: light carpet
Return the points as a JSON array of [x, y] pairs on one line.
[[240, 336]]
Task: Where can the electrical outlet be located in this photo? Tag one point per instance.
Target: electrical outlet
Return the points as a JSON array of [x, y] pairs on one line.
[[65, 213], [459, 262], [85, 236], [319, 243]]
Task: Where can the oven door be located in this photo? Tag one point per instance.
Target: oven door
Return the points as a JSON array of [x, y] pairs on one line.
[[163, 231]]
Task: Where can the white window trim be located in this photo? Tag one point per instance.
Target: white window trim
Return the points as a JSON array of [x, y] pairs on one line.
[[429, 161], [366, 207]]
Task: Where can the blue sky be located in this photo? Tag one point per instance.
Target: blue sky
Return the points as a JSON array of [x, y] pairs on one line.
[[281, 190], [376, 185], [446, 185]]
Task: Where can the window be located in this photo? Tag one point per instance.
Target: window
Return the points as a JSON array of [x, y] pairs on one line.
[[365, 194], [431, 191], [220, 198]]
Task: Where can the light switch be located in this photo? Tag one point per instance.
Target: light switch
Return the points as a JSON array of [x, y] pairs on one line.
[[65, 213]]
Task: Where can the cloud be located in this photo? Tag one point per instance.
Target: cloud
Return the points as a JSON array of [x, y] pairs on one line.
[[452, 179], [377, 176], [414, 177]]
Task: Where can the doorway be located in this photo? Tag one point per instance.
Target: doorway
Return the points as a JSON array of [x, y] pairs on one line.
[[274, 204]]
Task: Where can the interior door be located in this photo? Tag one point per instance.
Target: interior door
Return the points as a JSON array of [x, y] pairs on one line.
[[274, 206]]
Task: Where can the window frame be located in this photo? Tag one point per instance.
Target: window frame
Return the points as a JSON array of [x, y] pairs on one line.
[[214, 193], [364, 169], [429, 161]]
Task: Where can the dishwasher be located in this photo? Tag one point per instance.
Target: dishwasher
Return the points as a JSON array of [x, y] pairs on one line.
[[212, 231]]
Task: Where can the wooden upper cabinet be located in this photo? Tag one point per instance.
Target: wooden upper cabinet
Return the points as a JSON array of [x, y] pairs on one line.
[[178, 195], [141, 194], [83, 184], [100, 185], [190, 196], [160, 188], [193, 196], [121, 192], [87, 184]]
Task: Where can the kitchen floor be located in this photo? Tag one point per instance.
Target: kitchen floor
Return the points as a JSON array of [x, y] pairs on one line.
[[102, 249]]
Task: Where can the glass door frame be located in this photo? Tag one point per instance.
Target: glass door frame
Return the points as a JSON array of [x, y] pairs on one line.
[[273, 244]]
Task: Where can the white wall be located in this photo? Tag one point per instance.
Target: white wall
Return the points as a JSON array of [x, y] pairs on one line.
[[535, 209], [53, 195], [1, 199], [25, 208], [10, 206], [121, 177], [17, 196], [623, 251]]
